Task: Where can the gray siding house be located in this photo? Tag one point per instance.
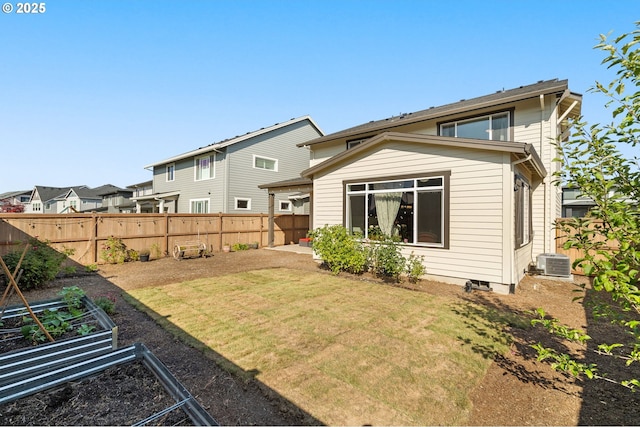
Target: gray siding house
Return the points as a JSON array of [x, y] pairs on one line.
[[224, 176]]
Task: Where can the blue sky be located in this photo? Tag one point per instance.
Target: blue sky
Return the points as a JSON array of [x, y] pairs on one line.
[[92, 91]]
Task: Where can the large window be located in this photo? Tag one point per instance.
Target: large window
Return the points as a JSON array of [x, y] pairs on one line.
[[522, 211], [414, 209], [265, 163], [494, 127], [199, 206], [205, 167]]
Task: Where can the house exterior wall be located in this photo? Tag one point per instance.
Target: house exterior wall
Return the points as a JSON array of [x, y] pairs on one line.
[[478, 228], [234, 172], [244, 178]]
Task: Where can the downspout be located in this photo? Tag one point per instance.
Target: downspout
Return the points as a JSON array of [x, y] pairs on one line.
[[512, 254], [544, 184]]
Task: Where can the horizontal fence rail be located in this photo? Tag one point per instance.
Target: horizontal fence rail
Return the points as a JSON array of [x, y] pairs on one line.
[[85, 234], [574, 254]]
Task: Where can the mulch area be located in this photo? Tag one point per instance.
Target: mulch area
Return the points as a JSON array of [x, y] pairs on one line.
[[517, 390]]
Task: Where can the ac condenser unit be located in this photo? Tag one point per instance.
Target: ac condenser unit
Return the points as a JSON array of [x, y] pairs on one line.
[[554, 265]]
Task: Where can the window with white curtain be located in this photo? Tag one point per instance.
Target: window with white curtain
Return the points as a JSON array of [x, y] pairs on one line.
[[412, 209]]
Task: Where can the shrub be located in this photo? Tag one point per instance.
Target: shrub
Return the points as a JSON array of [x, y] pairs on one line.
[[239, 247], [387, 260], [415, 267], [106, 302], [114, 251], [339, 250], [40, 265]]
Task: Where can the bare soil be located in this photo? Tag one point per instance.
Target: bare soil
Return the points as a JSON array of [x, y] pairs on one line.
[[517, 389]]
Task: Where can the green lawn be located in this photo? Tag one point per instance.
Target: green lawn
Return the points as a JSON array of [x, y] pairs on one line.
[[347, 352]]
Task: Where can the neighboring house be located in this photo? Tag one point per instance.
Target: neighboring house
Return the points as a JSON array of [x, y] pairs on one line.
[[115, 199], [224, 176], [142, 204], [573, 204], [468, 185], [57, 200], [14, 201], [44, 199]]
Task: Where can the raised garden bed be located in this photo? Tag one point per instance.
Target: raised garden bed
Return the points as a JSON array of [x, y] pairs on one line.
[[83, 393], [19, 359]]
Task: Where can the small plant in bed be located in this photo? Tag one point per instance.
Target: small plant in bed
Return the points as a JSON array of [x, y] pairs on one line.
[[66, 321]]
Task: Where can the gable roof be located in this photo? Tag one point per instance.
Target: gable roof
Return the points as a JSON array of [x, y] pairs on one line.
[[463, 106], [524, 152], [225, 143], [50, 193]]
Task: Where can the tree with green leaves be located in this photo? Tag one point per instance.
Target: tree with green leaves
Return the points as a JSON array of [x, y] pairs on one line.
[[608, 237]]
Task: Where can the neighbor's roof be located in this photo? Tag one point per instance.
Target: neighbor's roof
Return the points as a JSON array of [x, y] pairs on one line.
[[462, 106], [525, 152], [235, 140]]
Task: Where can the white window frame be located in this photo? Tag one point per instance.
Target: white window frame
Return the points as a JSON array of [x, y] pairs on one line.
[[289, 205], [242, 199], [206, 202], [275, 163], [211, 157], [490, 131], [171, 172]]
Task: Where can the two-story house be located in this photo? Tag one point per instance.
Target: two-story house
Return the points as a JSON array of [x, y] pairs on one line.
[[224, 176], [469, 185]]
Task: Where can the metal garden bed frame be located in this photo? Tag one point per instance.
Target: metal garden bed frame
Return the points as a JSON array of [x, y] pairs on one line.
[[49, 378]]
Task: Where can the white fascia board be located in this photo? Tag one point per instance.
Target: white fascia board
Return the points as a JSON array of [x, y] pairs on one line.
[[218, 145]]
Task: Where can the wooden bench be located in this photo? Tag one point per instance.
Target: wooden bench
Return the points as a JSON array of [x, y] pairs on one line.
[[189, 249]]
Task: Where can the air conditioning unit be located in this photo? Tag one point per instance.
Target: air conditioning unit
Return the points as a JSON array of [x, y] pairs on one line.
[[554, 265]]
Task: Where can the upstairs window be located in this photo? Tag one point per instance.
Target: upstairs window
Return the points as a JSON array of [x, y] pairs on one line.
[[265, 163], [171, 172], [494, 127], [205, 167]]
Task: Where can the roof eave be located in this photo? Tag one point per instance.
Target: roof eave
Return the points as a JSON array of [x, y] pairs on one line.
[[516, 148]]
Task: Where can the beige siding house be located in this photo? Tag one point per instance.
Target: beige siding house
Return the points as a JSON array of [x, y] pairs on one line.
[[468, 185]]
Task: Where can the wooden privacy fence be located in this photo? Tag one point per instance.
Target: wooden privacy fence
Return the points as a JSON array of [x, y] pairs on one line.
[[85, 234], [573, 253]]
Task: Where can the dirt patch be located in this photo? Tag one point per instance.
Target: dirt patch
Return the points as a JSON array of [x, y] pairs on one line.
[[517, 389]]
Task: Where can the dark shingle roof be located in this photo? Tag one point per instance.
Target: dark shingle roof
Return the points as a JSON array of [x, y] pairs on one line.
[[465, 105]]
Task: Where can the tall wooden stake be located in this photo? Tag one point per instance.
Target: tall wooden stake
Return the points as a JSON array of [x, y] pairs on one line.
[[12, 282]]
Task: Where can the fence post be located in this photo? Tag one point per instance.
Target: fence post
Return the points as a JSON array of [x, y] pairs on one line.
[[94, 238]]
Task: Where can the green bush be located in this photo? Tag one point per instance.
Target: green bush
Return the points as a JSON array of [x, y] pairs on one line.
[[415, 267], [114, 251], [339, 250], [106, 302], [387, 260], [40, 265]]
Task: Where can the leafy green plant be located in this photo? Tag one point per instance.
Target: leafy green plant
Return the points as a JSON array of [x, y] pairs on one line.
[[387, 260], [106, 302], [240, 247], [415, 267], [85, 329], [114, 251], [40, 265], [91, 268], [72, 296], [339, 250], [608, 237]]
